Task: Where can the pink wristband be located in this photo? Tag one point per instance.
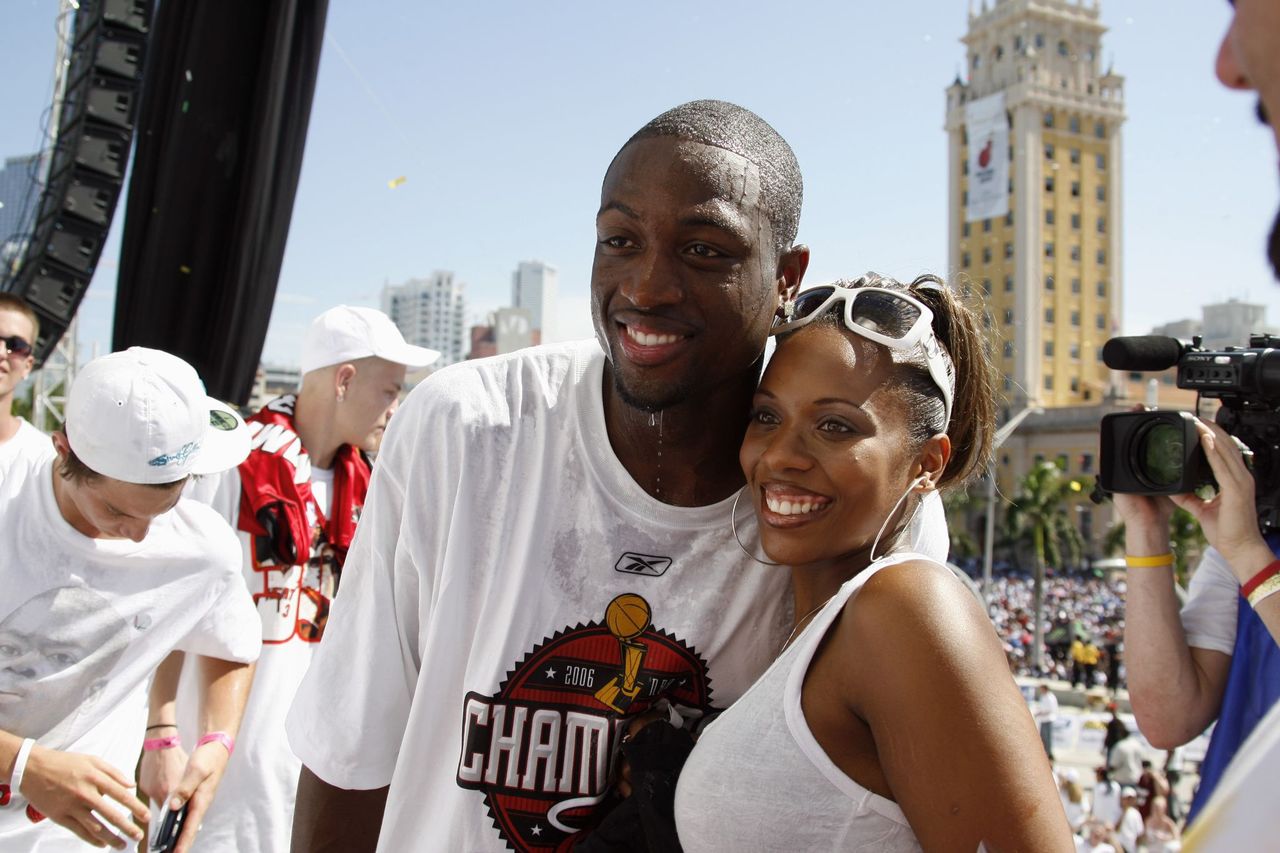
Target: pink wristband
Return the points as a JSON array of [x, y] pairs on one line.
[[157, 743], [221, 737]]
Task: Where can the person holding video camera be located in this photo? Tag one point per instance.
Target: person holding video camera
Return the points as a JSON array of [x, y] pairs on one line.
[[1215, 659], [1219, 660]]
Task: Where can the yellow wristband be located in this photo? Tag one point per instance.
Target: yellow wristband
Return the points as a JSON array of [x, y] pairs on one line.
[[1266, 589], [1155, 561]]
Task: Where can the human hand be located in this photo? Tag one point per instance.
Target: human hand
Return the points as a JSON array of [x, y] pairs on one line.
[[72, 790], [160, 772], [198, 785], [1230, 518], [1146, 522]]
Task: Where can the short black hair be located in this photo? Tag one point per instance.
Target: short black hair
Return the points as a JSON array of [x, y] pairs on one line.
[[737, 129]]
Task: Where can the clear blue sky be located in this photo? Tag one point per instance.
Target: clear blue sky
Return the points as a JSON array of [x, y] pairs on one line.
[[502, 116]]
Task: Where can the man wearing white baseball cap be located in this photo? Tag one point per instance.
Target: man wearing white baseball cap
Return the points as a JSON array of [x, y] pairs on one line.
[[297, 498], [106, 569]]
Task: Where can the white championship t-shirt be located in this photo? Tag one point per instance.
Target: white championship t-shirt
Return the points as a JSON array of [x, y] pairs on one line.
[[510, 595], [84, 622]]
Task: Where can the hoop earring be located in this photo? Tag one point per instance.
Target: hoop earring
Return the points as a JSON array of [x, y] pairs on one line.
[[918, 481], [733, 525]]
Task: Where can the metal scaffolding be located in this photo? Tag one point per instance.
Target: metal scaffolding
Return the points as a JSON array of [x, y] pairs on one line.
[[53, 380]]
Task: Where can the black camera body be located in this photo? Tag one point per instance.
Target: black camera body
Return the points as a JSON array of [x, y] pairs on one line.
[[1159, 453], [1152, 453], [170, 828]]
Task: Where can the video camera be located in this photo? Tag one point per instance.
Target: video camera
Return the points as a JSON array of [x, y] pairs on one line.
[[1159, 453]]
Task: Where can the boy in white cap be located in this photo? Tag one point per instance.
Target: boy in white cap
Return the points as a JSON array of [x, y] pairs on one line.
[[106, 570], [295, 501]]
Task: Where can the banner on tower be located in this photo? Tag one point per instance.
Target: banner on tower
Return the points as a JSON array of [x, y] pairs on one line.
[[987, 126]]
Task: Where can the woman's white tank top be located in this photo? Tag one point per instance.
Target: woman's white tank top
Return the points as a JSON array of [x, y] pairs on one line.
[[758, 779]]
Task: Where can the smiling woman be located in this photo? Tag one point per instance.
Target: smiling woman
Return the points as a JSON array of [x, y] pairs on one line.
[[892, 721]]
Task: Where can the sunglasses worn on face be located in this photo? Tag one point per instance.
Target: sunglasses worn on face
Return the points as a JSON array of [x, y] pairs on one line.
[[17, 346], [888, 317]]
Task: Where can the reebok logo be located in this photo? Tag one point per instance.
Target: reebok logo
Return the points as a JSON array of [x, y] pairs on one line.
[[642, 564]]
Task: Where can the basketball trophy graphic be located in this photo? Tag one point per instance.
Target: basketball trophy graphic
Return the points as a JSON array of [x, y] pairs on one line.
[[627, 617]]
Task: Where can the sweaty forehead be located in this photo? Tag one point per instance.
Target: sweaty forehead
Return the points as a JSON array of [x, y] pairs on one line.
[[676, 176]]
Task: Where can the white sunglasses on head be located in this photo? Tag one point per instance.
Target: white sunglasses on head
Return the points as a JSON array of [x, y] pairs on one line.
[[889, 317]]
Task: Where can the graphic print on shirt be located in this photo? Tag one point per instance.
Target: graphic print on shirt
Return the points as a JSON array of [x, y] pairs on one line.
[[57, 651], [541, 749], [293, 601]]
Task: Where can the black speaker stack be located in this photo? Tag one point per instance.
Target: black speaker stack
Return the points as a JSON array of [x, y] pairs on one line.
[[87, 165]]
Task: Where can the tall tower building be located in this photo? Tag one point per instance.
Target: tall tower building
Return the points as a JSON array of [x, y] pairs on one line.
[[1035, 194], [429, 312], [533, 287]]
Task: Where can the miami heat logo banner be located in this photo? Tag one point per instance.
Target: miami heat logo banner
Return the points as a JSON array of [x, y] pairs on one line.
[[542, 747], [987, 125]]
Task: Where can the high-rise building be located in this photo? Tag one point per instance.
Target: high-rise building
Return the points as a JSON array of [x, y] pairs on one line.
[[19, 198], [505, 330], [429, 313], [1230, 323], [1035, 194], [1182, 329], [533, 287], [1222, 324]]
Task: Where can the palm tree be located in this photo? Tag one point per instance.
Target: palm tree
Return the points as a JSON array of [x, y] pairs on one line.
[[1185, 537], [959, 506], [1040, 514]]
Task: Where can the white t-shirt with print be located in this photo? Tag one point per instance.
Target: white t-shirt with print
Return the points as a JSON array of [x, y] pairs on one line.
[[511, 593], [84, 622], [254, 806]]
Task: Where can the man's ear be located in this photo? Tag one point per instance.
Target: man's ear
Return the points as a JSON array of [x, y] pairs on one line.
[[60, 444], [791, 268], [342, 378]]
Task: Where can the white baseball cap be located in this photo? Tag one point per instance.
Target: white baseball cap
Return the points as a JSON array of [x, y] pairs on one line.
[[142, 416], [347, 333]]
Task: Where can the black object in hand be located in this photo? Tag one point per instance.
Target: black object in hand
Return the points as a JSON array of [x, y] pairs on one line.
[[166, 838]]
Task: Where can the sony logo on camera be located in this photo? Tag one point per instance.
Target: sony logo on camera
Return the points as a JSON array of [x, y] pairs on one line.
[[1159, 453]]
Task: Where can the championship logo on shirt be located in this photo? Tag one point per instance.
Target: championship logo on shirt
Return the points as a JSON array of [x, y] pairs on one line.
[[541, 750]]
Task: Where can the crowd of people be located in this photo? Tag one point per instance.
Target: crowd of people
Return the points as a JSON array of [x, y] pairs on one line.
[[1116, 818], [1084, 628], [541, 619]]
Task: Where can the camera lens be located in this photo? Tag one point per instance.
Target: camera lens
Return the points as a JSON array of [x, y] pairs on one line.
[[1160, 453]]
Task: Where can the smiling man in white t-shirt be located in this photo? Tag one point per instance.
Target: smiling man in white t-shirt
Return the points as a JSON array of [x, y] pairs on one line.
[[546, 552]]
